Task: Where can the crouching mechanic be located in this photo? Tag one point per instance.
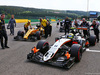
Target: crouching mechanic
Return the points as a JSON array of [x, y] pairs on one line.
[[85, 24], [26, 26], [3, 33]]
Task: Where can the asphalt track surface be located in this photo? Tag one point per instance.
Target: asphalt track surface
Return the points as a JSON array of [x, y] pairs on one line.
[[13, 61]]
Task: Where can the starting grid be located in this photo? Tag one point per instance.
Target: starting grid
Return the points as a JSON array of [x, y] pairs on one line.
[[96, 51]]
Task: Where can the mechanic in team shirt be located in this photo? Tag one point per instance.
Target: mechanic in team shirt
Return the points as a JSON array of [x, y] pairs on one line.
[[3, 33], [85, 24], [67, 24], [96, 29], [26, 26], [44, 23]]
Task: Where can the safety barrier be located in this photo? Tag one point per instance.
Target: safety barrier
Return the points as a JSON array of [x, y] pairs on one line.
[[18, 20], [22, 20], [26, 20]]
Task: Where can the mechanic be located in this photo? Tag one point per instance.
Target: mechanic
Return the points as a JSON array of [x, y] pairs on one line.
[[67, 24], [11, 23], [3, 33], [26, 26], [96, 29], [76, 24], [85, 24], [44, 23], [49, 27], [78, 20], [58, 23]]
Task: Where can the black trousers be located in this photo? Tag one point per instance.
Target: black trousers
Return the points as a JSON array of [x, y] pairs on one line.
[[86, 33], [96, 32], [3, 34], [49, 30], [26, 29], [12, 30], [46, 31], [66, 29]]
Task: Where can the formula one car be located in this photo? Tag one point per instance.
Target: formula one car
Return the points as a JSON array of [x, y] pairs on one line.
[[76, 36], [59, 54], [64, 52], [32, 34]]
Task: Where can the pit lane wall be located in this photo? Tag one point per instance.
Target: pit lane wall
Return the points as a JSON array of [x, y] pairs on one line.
[[26, 20]]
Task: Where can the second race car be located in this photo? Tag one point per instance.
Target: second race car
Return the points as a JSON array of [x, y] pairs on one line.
[[32, 34]]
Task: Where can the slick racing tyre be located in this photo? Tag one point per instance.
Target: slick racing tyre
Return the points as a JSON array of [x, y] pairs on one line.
[[43, 46], [76, 51], [92, 40], [38, 35]]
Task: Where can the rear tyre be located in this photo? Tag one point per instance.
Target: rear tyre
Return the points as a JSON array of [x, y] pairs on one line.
[[92, 40], [38, 35], [76, 51], [43, 46]]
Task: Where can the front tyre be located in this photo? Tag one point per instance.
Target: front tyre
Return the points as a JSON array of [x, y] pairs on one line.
[[38, 35], [76, 51], [92, 40], [43, 46]]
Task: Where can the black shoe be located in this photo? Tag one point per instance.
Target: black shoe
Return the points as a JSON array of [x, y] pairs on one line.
[[3, 47], [7, 47]]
